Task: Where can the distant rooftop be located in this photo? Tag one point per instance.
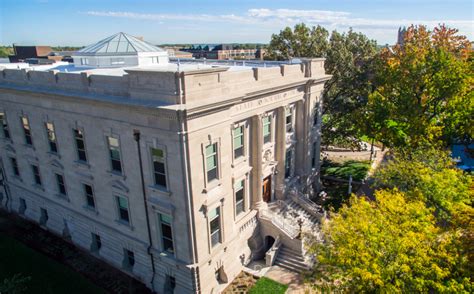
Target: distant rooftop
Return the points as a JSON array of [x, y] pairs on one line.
[[120, 43]]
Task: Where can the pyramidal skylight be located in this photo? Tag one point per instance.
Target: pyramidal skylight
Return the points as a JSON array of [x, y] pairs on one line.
[[118, 44], [120, 50]]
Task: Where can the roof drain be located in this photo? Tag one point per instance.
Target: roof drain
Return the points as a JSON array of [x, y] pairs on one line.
[[136, 136]]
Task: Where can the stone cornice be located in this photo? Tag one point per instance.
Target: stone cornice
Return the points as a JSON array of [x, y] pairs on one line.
[[150, 108], [210, 108]]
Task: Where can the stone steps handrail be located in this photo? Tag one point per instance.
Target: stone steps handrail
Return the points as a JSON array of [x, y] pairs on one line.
[[308, 205], [290, 230]]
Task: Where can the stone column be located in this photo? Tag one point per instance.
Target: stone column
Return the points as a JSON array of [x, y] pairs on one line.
[[280, 149], [301, 147], [256, 161]]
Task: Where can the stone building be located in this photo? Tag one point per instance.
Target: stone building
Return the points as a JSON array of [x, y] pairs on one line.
[[179, 175]]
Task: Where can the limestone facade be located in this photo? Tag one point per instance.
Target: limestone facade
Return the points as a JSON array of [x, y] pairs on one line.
[[216, 147]]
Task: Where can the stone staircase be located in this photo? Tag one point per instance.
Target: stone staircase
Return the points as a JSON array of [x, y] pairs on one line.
[[310, 221], [291, 260]]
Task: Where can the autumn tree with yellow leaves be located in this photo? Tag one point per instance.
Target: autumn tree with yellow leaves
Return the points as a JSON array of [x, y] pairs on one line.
[[423, 89]]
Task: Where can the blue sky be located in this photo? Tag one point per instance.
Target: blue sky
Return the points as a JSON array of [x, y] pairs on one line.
[[81, 22]]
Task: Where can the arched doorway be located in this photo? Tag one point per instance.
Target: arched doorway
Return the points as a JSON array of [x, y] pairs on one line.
[[269, 241]]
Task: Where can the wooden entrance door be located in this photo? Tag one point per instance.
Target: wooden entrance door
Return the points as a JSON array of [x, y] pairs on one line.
[[267, 189]]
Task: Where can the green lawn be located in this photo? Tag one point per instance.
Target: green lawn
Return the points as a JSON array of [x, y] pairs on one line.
[[266, 286], [358, 169], [45, 275]]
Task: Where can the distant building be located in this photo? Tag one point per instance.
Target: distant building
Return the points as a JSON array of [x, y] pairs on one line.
[[401, 36], [177, 53], [224, 51], [38, 55], [43, 54]]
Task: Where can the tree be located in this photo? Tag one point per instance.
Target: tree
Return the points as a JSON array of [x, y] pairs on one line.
[[428, 175], [423, 89], [300, 42], [390, 245], [349, 59]]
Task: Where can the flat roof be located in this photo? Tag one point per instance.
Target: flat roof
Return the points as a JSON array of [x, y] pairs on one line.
[[175, 65]]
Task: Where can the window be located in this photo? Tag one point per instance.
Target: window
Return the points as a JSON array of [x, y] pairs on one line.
[[288, 158], [61, 185], [170, 284], [122, 204], [26, 130], [267, 124], [5, 129], [315, 114], [159, 169], [128, 259], [36, 174], [89, 193], [44, 217], [289, 120], [215, 224], [22, 208], [80, 145], [238, 134], [166, 232], [96, 243], [84, 61], [114, 151], [53, 146], [313, 158], [115, 61], [16, 170], [211, 162], [239, 190]]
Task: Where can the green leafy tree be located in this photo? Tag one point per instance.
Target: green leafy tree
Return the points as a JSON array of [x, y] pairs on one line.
[[5, 51], [390, 245], [424, 89], [428, 175], [349, 59]]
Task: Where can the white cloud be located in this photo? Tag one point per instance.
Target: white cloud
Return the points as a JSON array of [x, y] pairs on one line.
[[278, 18]]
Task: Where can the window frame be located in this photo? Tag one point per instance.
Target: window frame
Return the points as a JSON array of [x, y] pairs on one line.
[[163, 238], [128, 259], [79, 150], [96, 244], [313, 158], [215, 154], [316, 114], [243, 200], [5, 128], [165, 167], [217, 217], [289, 127], [242, 138], [269, 125], [88, 196], [51, 141], [59, 184], [15, 168], [119, 214], [288, 163], [26, 126], [114, 161], [36, 175]]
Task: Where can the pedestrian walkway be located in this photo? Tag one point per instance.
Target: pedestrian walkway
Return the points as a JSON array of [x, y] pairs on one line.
[[94, 269]]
